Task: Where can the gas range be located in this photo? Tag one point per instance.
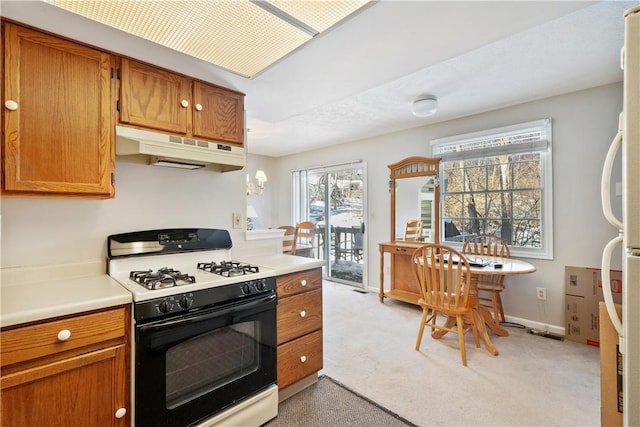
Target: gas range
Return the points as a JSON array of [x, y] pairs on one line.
[[169, 271], [205, 327]]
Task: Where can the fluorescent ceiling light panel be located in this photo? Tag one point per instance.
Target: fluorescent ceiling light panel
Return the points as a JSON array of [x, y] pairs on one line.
[[237, 35]]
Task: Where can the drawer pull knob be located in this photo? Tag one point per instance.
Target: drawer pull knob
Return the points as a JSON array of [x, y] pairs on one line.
[[64, 335], [198, 107], [121, 413], [184, 103], [11, 105], [303, 313], [303, 359], [303, 283]]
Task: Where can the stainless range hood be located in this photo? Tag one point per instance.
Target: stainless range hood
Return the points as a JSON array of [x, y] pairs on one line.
[[177, 151]]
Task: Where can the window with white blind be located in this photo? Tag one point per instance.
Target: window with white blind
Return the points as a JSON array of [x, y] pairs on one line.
[[499, 182]]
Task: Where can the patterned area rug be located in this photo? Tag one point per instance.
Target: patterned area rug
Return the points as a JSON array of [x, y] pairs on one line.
[[331, 404]]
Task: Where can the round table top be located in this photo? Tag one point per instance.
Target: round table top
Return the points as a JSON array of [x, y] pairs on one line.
[[510, 266]]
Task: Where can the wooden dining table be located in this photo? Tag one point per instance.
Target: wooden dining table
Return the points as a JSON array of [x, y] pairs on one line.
[[481, 314]]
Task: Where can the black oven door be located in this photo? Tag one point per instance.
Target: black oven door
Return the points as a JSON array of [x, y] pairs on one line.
[[193, 366]]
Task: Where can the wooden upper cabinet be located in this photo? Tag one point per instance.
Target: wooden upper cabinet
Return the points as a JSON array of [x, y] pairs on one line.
[[218, 114], [151, 97], [58, 116]]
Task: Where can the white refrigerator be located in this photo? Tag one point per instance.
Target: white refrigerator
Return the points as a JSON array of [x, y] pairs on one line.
[[628, 138]]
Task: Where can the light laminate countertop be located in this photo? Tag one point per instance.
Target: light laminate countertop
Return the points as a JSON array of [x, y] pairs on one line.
[[285, 264], [29, 302]]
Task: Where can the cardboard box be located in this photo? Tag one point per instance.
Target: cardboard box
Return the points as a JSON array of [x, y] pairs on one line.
[[583, 294], [610, 370], [587, 282], [581, 321]]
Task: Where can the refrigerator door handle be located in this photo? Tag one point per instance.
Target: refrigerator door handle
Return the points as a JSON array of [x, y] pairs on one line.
[[606, 287], [605, 185]]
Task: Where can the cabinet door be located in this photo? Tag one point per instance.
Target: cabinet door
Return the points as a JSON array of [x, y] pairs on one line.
[[299, 358], [58, 136], [151, 97], [218, 114], [402, 275], [85, 390], [298, 315]]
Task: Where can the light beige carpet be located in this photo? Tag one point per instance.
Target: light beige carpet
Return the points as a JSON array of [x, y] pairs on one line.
[[534, 381], [328, 403]]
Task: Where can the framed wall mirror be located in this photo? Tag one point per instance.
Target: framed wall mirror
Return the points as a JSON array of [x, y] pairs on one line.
[[415, 197]]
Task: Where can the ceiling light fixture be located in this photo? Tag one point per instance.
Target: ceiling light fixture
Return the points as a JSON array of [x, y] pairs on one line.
[[425, 106]]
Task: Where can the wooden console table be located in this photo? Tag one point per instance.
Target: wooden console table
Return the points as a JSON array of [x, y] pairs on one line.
[[404, 284]]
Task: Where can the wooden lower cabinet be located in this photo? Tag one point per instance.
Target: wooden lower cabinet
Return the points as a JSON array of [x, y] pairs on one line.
[[299, 326], [404, 285], [83, 379]]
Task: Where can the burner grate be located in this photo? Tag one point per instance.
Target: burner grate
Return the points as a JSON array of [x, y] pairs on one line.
[[162, 278], [228, 268]]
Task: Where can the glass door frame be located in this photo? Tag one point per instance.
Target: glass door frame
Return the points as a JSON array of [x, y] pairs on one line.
[[301, 212]]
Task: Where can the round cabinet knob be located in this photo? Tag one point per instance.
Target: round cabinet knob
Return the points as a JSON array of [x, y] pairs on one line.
[[121, 412], [11, 105], [303, 359], [303, 313], [184, 103], [64, 335], [198, 107], [303, 283]]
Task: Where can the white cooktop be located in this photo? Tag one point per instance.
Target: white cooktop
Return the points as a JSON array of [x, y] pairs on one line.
[[186, 263]]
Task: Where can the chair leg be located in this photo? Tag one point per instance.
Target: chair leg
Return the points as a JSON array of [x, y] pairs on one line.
[[474, 329], [496, 306], [423, 323], [463, 351], [499, 297]]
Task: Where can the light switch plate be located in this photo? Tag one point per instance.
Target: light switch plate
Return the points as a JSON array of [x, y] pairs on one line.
[[237, 220]]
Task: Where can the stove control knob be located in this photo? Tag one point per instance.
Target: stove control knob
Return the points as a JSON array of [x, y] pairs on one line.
[[246, 290], [186, 301], [260, 285], [165, 306]]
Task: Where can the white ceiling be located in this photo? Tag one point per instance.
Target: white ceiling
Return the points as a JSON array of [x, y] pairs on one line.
[[358, 80]]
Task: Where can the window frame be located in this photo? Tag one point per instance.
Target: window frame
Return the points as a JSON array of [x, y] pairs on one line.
[[444, 148]]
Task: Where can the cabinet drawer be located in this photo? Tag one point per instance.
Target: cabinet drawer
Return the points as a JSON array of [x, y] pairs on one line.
[[35, 341], [295, 283], [299, 358], [299, 315]]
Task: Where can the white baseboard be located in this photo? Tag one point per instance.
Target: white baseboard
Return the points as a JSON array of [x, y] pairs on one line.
[[554, 329]]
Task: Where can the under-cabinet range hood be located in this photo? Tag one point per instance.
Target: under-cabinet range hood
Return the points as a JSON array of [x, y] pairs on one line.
[[178, 151]]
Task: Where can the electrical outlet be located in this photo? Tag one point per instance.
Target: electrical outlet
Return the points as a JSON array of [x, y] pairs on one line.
[[541, 293], [237, 220]]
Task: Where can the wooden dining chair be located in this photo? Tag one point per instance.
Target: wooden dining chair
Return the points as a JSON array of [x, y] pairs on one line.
[[489, 286], [444, 289], [306, 234], [289, 239], [413, 230]]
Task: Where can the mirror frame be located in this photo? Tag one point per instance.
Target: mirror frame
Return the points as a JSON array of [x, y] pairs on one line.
[[409, 168]]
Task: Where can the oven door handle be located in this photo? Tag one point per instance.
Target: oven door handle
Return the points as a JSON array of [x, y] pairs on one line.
[[162, 331]]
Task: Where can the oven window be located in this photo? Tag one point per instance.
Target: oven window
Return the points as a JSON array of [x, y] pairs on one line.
[[210, 361]]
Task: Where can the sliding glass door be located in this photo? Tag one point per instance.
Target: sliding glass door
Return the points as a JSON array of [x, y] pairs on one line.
[[333, 199]]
